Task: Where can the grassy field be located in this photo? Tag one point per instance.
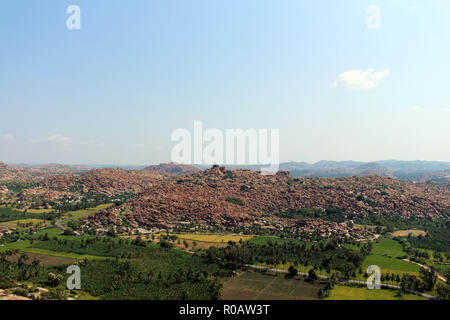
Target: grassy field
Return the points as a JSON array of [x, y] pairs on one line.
[[52, 232], [25, 246], [13, 224], [71, 215], [61, 254], [285, 266], [36, 210], [391, 265], [19, 245], [85, 212], [405, 233], [28, 210], [341, 292], [195, 240], [388, 247], [254, 285], [45, 260]]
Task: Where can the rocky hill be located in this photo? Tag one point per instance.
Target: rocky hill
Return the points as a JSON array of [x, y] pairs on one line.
[[222, 197], [104, 181], [10, 174], [173, 168], [108, 182]]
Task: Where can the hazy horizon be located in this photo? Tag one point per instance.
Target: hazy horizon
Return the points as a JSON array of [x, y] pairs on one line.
[[200, 165]]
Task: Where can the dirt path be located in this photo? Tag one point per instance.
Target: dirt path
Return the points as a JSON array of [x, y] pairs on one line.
[[440, 276]]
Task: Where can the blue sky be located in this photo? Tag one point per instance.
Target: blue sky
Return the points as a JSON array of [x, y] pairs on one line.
[[114, 91]]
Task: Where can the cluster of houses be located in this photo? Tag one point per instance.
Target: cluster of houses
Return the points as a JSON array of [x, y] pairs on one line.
[[4, 231]]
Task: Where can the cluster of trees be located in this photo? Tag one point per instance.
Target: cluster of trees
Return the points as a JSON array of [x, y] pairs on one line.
[[236, 201], [421, 255], [325, 255], [437, 238], [425, 282], [160, 274], [329, 285], [99, 246], [9, 214], [154, 272], [19, 186], [22, 270], [89, 200]]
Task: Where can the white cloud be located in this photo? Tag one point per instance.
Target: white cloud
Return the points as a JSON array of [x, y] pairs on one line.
[[445, 109], [421, 109], [59, 138], [7, 137], [360, 79]]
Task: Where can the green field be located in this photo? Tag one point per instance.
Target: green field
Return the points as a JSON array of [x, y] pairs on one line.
[[391, 265], [405, 233], [18, 245], [44, 259], [26, 246], [52, 232], [85, 212], [341, 292], [11, 214], [260, 286], [388, 247]]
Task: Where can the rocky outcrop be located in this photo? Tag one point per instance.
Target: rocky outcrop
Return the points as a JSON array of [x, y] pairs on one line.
[[218, 196], [10, 174], [173, 168]]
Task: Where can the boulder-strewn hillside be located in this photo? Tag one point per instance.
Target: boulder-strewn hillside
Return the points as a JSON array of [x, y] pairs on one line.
[[105, 181], [173, 168], [10, 174], [218, 196], [99, 181]]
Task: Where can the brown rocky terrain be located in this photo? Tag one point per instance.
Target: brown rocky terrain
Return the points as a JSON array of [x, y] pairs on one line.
[[173, 168], [221, 197], [74, 187], [104, 181], [10, 174]]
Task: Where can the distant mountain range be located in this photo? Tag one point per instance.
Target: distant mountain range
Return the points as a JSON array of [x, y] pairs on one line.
[[405, 170], [436, 171]]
